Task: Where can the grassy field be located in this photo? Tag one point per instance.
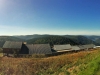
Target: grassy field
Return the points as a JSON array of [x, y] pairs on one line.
[[81, 63]]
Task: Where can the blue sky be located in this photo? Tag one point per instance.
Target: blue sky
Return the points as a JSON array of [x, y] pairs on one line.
[[71, 17]]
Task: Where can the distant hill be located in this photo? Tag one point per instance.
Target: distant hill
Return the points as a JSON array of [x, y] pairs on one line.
[[8, 38], [95, 38], [81, 39], [98, 40], [27, 37], [52, 40], [85, 39]]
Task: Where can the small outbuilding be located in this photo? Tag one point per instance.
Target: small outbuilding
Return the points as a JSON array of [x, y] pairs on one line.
[[62, 48], [75, 48]]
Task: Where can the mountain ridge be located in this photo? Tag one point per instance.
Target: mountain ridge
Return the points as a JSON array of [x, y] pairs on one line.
[[79, 39]]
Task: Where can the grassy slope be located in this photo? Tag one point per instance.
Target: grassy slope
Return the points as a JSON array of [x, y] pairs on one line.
[[92, 67], [81, 63]]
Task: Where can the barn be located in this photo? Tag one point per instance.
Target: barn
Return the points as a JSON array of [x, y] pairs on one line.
[[11, 47], [62, 48], [39, 48]]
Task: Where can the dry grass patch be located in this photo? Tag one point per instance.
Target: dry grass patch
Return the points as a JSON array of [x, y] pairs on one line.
[[66, 64]]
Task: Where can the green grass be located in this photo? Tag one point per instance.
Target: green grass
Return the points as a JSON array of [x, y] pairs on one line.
[[91, 67]]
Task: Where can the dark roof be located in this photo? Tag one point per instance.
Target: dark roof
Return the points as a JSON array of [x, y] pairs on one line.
[[12, 44], [39, 49], [62, 47], [30, 48]]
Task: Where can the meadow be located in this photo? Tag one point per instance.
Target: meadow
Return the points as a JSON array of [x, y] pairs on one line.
[[80, 63]]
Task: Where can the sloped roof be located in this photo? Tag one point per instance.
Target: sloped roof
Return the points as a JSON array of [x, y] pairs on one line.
[[92, 45], [81, 47], [85, 46], [89, 46], [30, 47], [12, 44], [39, 49], [62, 47], [75, 48]]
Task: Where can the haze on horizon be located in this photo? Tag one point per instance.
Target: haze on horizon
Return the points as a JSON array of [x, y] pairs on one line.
[[60, 17]]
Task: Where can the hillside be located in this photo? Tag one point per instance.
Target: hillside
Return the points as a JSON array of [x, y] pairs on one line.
[[52, 40], [8, 38], [93, 37], [58, 39], [27, 37], [96, 39], [81, 39], [76, 38], [2, 43]]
